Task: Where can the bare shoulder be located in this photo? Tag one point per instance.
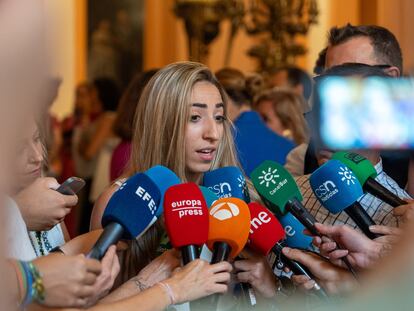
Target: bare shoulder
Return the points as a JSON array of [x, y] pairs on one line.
[[100, 205]]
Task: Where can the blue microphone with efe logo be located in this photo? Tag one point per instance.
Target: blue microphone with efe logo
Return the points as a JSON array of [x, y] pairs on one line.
[[337, 189], [164, 178], [129, 213]]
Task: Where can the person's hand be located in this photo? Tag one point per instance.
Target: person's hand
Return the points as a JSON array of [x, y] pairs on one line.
[[68, 280], [255, 270], [199, 279], [406, 211], [159, 269], [106, 279], [42, 207], [333, 279], [360, 251]]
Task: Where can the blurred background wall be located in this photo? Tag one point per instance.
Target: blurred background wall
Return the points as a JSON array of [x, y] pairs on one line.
[[165, 39]]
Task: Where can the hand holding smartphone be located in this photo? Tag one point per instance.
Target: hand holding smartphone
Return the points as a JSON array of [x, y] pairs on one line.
[[71, 186]]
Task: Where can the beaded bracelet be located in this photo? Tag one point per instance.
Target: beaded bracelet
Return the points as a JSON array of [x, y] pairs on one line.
[[169, 292], [38, 289]]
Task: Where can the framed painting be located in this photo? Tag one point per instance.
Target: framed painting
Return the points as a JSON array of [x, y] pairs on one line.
[[115, 32]]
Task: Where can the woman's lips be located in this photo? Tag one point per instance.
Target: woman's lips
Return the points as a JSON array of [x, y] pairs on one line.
[[207, 154]]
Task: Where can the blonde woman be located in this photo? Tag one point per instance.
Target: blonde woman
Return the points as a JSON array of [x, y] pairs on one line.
[[181, 123], [282, 111]]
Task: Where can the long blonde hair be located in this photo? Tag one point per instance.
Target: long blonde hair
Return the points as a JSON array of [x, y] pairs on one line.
[[162, 116], [158, 138]]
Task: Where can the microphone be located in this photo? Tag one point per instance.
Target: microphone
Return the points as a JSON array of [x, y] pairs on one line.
[[280, 193], [266, 234], [229, 225], [294, 232], [129, 213], [227, 182], [186, 219], [366, 173], [337, 189], [209, 196], [164, 178]]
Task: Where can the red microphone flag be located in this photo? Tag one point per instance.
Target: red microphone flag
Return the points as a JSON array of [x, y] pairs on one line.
[[186, 215], [265, 229]]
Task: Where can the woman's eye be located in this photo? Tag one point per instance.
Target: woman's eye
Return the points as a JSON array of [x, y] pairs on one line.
[[221, 118], [195, 118]]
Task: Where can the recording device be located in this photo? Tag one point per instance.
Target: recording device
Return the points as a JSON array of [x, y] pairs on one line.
[[267, 234], [338, 189], [227, 182], [280, 193], [71, 186], [369, 113], [129, 213], [366, 173], [186, 219]]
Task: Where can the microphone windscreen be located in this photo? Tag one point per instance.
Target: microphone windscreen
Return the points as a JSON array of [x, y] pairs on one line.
[[164, 178], [359, 165], [229, 223], [275, 186], [293, 228], [265, 229], [186, 215], [209, 196], [227, 182], [335, 186], [133, 205]]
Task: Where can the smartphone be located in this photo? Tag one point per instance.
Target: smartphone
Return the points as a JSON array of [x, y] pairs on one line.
[[71, 186], [369, 113]]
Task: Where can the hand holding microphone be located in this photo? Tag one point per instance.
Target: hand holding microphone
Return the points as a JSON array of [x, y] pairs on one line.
[[337, 189], [266, 234], [334, 279], [361, 251], [282, 196]]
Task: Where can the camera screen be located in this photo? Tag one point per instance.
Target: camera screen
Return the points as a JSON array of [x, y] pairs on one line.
[[366, 113]]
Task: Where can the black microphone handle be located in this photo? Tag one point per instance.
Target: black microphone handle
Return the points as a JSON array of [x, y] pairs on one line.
[[221, 252], [295, 207], [298, 269], [361, 219], [376, 189], [190, 253], [111, 234]]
